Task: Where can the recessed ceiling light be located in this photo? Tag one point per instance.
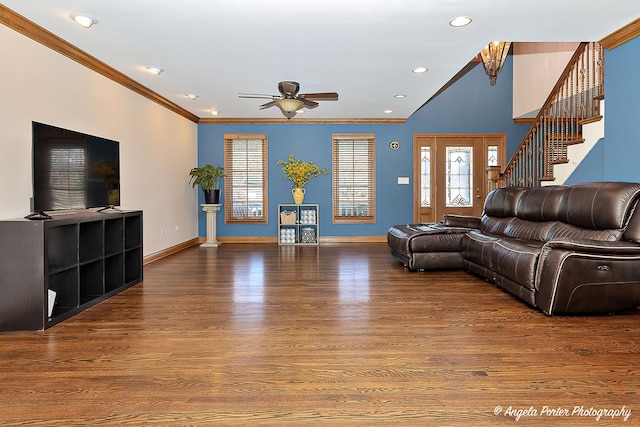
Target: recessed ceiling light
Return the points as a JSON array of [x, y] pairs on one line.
[[400, 95], [85, 21], [192, 96], [460, 21], [154, 70], [215, 112], [388, 111], [420, 70]]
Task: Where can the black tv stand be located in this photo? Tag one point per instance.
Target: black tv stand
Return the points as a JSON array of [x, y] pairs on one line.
[[39, 215], [108, 208], [83, 258]]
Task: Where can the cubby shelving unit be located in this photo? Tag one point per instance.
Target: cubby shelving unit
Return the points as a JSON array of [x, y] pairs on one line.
[[83, 257], [298, 224]]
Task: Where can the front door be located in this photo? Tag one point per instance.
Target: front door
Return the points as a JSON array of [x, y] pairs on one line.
[[450, 173]]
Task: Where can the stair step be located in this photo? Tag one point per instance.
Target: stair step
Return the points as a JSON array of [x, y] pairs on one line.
[[574, 141], [560, 161], [547, 178], [563, 139], [588, 120]]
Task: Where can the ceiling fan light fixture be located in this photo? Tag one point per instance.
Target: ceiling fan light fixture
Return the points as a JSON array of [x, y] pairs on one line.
[[85, 21], [493, 56], [460, 21], [289, 105]]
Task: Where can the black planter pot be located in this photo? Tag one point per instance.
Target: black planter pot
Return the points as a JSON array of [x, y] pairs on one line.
[[212, 197]]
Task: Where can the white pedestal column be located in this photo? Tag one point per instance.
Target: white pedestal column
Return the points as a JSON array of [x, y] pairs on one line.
[[211, 211]]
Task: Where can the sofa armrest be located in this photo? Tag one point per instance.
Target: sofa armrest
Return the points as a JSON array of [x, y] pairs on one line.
[[594, 246], [581, 276], [461, 221]]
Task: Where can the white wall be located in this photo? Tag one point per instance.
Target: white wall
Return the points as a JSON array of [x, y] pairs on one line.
[[157, 146], [536, 68]]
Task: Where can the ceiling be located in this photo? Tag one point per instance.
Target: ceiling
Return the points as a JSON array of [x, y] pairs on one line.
[[362, 49]]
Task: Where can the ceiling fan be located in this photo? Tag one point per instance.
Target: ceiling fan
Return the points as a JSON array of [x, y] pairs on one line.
[[289, 101]]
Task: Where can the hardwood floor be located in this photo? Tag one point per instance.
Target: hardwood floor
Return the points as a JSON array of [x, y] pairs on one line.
[[339, 334]]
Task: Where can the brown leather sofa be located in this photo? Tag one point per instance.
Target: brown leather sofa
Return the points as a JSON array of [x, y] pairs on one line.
[[563, 249]]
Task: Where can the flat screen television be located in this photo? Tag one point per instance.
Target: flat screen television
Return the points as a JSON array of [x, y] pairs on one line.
[[73, 170]]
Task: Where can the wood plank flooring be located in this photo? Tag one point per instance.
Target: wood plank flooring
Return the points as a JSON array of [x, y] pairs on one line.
[[340, 334]]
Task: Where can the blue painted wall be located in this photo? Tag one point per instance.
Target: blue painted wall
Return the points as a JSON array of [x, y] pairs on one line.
[[591, 168], [622, 113], [617, 156], [471, 105]]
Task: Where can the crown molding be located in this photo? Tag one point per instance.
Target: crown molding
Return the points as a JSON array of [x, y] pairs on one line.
[[218, 121], [621, 36], [36, 33]]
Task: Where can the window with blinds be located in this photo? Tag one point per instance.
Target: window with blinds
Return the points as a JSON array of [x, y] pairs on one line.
[[354, 178], [245, 182]]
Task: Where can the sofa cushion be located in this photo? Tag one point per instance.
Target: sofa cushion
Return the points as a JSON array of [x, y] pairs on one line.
[[582, 204], [528, 230], [540, 203], [503, 202], [516, 259], [560, 230], [477, 247], [493, 224]]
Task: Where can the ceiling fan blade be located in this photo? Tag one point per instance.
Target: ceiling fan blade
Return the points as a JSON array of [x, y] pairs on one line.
[[267, 105], [321, 96], [289, 88], [309, 103], [257, 95]]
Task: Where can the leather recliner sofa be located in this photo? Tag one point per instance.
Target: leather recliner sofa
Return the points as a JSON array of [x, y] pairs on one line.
[[563, 249]]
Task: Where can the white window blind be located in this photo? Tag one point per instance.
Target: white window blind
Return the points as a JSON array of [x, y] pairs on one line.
[[354, 176], [245, 183]]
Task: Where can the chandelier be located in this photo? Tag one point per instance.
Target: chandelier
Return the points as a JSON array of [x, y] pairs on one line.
[[493, 57]]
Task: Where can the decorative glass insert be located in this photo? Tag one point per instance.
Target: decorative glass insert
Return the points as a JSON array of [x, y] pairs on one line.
[[425, 176], [492, 155], [459, 176]]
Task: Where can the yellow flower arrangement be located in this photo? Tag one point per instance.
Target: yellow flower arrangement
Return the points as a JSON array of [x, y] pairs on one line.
[[299, 171]]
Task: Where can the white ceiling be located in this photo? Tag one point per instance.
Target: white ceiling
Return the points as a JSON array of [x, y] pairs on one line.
[[362, 49]]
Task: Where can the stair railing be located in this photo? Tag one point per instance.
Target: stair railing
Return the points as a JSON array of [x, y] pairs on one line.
[[573, 101]]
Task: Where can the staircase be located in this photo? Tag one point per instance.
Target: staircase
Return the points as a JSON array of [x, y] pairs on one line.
[[573, 103]]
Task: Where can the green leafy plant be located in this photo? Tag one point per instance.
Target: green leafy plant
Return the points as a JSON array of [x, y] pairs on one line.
[[300, 172], [207, 177]]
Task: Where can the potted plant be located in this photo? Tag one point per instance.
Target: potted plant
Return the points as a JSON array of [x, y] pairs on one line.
[[299, 173], [208, 178]]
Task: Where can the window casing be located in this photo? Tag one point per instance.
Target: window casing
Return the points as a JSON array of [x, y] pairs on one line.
[[354, 178], [245, 182]]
